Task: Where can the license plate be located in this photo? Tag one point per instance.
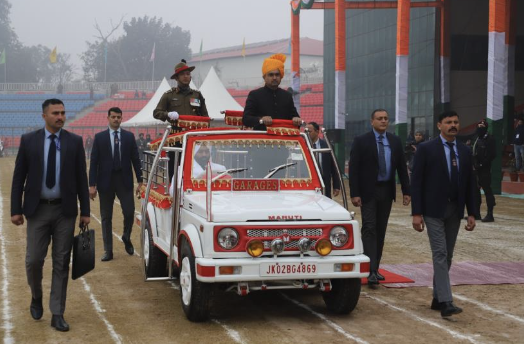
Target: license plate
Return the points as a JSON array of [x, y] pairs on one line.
[[278, 269]]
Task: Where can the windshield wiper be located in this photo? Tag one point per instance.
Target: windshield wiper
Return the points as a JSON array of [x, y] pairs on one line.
[[231, 170], [278, 168]]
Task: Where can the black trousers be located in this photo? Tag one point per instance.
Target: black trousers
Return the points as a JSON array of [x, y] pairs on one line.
[[375, 216], [125, 196], [484, 183]]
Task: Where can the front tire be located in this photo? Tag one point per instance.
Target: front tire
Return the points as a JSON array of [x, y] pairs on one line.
[[154, 260], [344, 295], [195, 296]]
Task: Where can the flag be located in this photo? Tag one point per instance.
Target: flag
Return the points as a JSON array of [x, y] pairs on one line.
[[2, 57], [244, 48], [201, 45], [152, 58], [52, 56]]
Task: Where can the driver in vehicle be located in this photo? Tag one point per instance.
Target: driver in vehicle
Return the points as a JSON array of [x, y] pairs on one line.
[[201, 156]]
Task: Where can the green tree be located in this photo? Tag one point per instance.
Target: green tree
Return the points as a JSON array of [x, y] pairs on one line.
[[128, 56]]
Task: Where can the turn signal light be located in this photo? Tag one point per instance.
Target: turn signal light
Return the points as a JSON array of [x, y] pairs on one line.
[[323, 247], [230, 270], [344, 267], [255, 248]]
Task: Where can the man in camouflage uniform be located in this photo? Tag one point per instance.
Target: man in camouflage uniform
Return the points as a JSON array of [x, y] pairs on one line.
[[181, 100]]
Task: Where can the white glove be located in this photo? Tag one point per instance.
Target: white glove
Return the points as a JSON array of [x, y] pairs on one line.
[[173, 115]]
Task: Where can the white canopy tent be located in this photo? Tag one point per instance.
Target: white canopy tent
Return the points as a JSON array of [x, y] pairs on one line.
[[145, 117], [217, 97]]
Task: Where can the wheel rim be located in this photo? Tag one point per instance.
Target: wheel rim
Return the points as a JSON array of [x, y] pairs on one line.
[[185, 281], [146, 247]]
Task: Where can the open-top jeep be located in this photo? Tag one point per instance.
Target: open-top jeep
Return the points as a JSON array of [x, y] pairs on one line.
[[246, 212]]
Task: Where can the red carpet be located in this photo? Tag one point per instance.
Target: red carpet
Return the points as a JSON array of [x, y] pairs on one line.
[[390, 277]]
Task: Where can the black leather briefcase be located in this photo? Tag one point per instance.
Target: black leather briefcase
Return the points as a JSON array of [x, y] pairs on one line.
[[83, 252]]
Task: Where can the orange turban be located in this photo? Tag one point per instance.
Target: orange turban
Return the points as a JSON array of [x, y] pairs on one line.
[[274, 62]]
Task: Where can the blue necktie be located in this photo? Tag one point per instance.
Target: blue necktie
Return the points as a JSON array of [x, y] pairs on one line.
[[50, 179], [117, 166], [382, 172], [454, 176]]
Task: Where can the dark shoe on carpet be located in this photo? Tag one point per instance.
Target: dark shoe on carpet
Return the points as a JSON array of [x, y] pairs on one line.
[[372, 279], [448, 309], [36, 308], [435, 305], [379, 276], [129, 246], [488, 218], [59, 323], [108, 255]]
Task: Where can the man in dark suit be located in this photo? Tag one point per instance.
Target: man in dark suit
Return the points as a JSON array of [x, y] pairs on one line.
[[50, 174], [114, 155], [374, 159], [442, 182], [326, 164]]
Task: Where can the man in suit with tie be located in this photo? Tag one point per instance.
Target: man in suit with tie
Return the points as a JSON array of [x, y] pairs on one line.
[[325, 162], [114, 155], [50, 175], [442, 182], [374, 159]]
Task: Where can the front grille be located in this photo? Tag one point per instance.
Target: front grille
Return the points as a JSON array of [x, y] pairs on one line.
[[275, 233], [292, 245]]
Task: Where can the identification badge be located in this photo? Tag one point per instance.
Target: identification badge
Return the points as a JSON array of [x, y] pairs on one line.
[[194, 102], [517, 136]]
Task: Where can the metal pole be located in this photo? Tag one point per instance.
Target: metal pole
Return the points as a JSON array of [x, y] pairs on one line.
[[342, 186]]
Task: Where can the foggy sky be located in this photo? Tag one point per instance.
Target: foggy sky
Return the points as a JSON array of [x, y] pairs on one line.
[[68, 24]]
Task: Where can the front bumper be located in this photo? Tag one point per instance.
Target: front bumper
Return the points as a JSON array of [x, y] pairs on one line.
[[251, 269]]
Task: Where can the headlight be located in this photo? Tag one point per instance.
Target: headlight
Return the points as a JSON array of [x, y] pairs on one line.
[[255, 248], [227, 238], [338, 236], [323, 247], [277, 246]]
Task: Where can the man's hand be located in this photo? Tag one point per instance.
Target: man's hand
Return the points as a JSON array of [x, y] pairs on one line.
[[418, 223], [173, 115], [357, 202], [406, 200], [84, 220], [297, 121], [138, 191], [471, 223], [266, 120], [92, 192], [336, 192], [17, 220]]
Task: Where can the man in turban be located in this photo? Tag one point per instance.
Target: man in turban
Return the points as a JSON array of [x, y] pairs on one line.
[[270, 102]]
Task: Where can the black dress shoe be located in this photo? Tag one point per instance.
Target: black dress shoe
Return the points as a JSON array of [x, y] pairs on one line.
[[488, 218], [435, 305], [379, 276], [36, 308], [372, 279], [129, 246], [448, 309], [59, 323], [108, 255]]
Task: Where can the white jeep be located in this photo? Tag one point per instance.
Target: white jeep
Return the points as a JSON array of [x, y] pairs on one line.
[[248, 214]]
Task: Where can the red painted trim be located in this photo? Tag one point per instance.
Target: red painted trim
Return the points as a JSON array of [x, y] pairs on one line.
[[184, 233], [243, 239], [371, 5], [205, 271]]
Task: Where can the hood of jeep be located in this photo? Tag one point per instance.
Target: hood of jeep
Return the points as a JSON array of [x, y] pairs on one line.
[[266, 206]]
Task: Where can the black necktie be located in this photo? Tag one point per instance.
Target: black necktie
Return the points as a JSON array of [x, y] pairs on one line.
[[382, 172], [50, 179], [454, 176], [117, 166]]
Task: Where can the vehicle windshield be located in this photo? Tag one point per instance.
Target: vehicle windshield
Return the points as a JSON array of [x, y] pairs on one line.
[[250, 158]]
